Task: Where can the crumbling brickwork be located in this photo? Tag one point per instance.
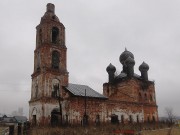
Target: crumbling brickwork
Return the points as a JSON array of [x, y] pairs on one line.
[[127, 97]]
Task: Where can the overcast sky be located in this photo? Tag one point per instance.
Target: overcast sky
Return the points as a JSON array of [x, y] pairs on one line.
[[97, 32]]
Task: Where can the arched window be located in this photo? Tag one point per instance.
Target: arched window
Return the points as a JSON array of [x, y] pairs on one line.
[[107, 92], [55, 92], [153, 119], [151, 98], [137, 118], [140, 96], [145, 96], [38, 61], [130, 119], [122, 119], [55, 88], [148, 119], [55, 60], [55, 35]]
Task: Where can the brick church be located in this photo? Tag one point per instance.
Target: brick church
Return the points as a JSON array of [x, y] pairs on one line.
[[127, 97]]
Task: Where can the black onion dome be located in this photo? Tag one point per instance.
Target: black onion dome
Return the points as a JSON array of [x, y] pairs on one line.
[[144, 66], [125, 55], [129, 61], [111, 68]]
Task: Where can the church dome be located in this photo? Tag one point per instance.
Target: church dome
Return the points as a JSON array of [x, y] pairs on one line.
[[125, 55], [144, 66], [111, 68], [129, 61]]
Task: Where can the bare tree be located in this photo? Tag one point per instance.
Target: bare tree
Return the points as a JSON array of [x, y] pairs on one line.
[[170, 115]]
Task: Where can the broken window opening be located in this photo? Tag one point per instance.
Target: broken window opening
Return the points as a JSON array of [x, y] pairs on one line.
[[55, 60], [55, 35], [122, 119], [85, 120], [145, 96], [55, 92], [97, 120], [148, 119], [153, 119], [34, 120], [151, 99], [38, 61], [140, 96], [137, 118], [114, 119], [130, 119]]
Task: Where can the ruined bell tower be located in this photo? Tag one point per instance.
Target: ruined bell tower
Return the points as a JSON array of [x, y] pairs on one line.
[[50, 68]]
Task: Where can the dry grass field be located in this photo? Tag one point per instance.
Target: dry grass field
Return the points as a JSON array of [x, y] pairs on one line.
[[98, 131], [174, 131]]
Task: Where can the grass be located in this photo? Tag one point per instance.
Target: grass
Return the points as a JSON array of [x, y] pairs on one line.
[[2, 129], [102, 130], [174, 131]]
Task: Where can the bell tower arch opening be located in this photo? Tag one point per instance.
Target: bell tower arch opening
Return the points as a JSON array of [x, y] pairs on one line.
[[55, 35], [55, 59]]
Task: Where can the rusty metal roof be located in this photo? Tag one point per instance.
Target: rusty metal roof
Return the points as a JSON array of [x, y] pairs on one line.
[[123, 75], [79, 90]]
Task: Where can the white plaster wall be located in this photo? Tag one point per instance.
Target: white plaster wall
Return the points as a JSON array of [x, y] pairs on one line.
[[126, 114], [35, 109], [48, 109]]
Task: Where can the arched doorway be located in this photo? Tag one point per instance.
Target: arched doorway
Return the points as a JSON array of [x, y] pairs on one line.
[[55, 117], [34, 118]]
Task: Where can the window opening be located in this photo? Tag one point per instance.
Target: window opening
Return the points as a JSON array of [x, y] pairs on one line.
[[55, 34], [114, 119], [122, 119], [34, 120], [130, 119], [55, 92], [55, 60]]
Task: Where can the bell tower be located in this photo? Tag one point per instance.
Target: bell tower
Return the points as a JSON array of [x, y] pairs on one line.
[[50, 68]]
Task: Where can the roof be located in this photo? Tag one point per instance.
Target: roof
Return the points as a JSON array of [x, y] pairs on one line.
[[124, 75], [79, 90], [9, 120], [20, 119]]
